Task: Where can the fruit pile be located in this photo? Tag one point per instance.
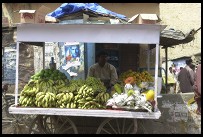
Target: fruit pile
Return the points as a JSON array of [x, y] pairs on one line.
[[138, 77], [50, 89], [132, 92]]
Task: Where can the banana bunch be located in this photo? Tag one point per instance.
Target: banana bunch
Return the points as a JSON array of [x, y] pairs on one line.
[[79, 82], [85, 91], [64, 89], [85, 94], [27, 101], [45, 99], [103, 97], [70, 105], [65, 100], [51, 89], [91, 105], [60, 83], [28, 91], [95, 84], [45, 86], [45, 83], [73, 87], [118, 88]]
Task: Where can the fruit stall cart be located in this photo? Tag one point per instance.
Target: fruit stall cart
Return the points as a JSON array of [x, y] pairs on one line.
[[59, 120]]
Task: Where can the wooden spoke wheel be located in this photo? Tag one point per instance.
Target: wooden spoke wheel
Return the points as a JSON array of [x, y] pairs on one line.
[[14, 125], [52, 125], [11, 123], [8, 126], [118, 126]]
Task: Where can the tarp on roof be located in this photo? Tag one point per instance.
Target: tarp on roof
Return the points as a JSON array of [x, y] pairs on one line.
[[70, 8]]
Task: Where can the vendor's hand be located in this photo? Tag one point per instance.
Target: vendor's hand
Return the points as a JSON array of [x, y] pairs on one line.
[[110, 88]]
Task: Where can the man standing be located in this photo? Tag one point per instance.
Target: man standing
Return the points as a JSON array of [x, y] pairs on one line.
[[103, 70], [186, 78], [171, 80]]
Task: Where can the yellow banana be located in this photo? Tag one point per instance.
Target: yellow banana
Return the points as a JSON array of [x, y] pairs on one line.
[[68, 105], [64, 98], [52, 94], [40, 98], [71, 95], [51, 81], [24, 101], [88, 98], [21, 99], [72, 105], [46, 105], [59, 96], [68, 97], [25, 87], [39, 104], [47, 97], [102, 98], [41, 84], [62, 82], [39, 94]]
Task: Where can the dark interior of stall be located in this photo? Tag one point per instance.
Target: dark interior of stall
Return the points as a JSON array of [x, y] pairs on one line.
[[122, 56]]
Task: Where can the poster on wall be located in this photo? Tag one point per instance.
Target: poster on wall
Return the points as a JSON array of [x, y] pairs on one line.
[[73, 59], [9, 64]]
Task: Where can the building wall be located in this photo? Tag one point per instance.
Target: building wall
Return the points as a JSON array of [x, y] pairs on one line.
[[184, 17]]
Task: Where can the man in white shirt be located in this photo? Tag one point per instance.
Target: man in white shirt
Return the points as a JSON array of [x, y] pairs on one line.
[[104, 70]]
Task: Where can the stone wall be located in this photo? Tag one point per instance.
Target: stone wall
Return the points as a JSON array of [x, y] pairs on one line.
[[184, 17], [177, 117]]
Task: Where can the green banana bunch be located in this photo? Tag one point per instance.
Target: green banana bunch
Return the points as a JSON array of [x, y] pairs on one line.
[[27, 101], [103, 97], [118, 88]]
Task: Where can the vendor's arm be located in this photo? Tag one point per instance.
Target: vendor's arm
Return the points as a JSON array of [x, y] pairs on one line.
[[91, 72], [114, 76]]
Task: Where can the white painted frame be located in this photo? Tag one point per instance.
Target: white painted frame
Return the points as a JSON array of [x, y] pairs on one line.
[[88, 33]]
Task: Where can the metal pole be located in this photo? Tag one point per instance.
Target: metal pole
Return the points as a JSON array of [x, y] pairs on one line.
[[43, 54], [148, 58], [16, 80], [166, 78], [156, 75]]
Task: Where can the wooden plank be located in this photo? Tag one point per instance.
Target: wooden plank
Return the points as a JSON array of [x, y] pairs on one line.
[[85, 112]]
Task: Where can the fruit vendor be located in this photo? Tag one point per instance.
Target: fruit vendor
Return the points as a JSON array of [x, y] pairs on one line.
[[103, 70]]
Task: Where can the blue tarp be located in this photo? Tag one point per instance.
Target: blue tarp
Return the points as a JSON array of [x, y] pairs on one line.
[[70, 8]]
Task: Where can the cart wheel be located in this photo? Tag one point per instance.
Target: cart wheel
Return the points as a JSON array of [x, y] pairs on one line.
[[11, 123], [53, 125], [14, 125], [4, 108], [118, 126], [8, 126]]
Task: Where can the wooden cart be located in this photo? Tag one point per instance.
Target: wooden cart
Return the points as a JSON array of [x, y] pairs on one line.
[[58, 120]]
